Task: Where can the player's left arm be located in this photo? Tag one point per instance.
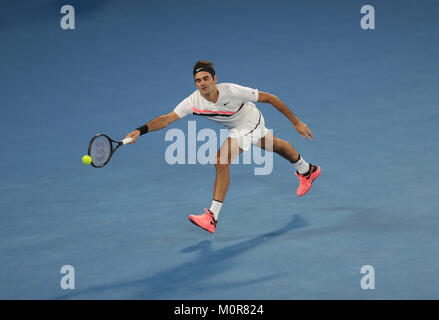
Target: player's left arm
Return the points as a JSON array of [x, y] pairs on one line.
[[301, 127]]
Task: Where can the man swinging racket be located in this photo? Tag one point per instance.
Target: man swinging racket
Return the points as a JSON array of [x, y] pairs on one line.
[[233, 106]]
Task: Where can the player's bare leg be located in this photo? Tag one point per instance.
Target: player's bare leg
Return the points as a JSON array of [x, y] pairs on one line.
[[306, 172], [281, 147], [225, 155]]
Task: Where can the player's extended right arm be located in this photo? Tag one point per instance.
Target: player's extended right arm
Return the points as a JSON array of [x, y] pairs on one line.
[[155, 124]]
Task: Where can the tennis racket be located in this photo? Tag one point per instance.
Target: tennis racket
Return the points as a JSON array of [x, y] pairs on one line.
[[101, 148]]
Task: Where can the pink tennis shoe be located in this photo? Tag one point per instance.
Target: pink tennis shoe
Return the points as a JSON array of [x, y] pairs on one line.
[[205, 221], [307, 179]]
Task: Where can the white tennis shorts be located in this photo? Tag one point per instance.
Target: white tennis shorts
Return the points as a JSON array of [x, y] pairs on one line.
[[250, 130]]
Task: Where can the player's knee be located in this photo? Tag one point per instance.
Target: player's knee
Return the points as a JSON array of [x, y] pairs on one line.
[[222, 165]]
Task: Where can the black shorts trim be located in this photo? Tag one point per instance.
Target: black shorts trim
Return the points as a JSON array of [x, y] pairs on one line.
[[259, 122]]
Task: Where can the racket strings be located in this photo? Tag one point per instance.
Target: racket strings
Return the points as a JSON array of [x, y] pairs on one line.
[[100, 150]]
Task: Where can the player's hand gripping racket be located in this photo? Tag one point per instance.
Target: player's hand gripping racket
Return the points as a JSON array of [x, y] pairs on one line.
[[101, 148]]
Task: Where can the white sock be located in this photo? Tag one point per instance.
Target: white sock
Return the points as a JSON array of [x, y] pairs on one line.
[[216, 208], [301, 165]]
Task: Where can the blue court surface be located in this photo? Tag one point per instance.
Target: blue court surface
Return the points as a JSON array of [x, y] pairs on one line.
[[370, 98]]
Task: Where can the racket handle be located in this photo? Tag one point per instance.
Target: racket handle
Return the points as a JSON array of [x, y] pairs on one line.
[[127, 140]]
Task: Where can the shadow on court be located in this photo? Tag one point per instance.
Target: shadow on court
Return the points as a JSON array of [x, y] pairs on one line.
[[192, 277]]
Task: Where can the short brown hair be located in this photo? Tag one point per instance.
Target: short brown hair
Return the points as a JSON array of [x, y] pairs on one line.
[[204, 65]]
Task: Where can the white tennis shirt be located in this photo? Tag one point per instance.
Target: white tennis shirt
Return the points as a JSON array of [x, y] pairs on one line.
[[234, 105]]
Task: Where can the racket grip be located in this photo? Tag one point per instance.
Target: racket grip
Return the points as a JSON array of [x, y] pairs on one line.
[[127, 140]]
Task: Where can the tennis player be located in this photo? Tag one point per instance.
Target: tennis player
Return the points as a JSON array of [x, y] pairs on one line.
[[234, 106]]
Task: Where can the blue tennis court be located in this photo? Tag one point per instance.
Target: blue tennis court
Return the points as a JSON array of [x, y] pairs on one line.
[[370, 98]]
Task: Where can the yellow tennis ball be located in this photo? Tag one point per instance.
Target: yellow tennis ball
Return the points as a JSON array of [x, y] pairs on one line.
[[86, 159]]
